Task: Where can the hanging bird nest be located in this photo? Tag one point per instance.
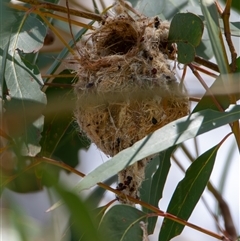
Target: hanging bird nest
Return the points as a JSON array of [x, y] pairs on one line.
[[126, 88]]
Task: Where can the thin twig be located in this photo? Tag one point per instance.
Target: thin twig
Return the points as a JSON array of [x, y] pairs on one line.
[[227, 217], [205, 71], [205, 86], [206, 63], [55, 7], [225, 14]]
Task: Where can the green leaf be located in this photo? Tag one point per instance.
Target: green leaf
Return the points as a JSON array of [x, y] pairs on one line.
[[235, 5], [152, 187], [166, 9], [71, 141], [83, 220], [97, 213], [212, 22], [188, 193], [122, 223], [235, 29], [59, 133], [58, 113], [173, 133], [204, 49], [220, 93], [22, 32], [26, 31], [186, 30], [133, 2], [25, 105], [98, 192]]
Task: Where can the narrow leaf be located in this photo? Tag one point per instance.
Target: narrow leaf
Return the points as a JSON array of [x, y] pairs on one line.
[[220, 93], [83, 221], [188, 193], [211, 16], [152, 187], [171, 134]]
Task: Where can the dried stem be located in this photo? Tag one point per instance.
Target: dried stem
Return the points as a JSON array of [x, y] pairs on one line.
[[55, 7], [228, 221], [200, 69], [51, 15], [206, 63], [205, 86], [225, 14]]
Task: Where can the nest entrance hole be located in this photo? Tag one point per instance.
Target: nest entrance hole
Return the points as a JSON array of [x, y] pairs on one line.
[[118, 38]]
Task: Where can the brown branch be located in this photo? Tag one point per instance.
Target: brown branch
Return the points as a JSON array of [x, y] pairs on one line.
[[225, 15], [205, 71], [206, 63], [55, 7], [205, 86], [229, 225]]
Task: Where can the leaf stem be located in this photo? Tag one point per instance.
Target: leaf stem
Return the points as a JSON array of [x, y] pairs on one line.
[[198, 76]]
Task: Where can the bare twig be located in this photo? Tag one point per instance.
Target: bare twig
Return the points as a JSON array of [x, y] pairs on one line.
[[55, 7], [206, 63], [225, 14], [205, 86], [229, 225]]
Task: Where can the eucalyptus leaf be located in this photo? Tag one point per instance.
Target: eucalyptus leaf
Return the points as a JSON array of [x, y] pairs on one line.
[[188, 193], [152, 187], [83, 221], [122, 222], [166, 9], [210, 13], [25, 104], [26, 31], [186, 30], [235, 28], [60, 133], [97, 214], [22, 33], [220, 92], [171, 134]]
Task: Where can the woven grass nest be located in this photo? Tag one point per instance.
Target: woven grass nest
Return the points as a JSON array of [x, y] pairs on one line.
[[126, 88]]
